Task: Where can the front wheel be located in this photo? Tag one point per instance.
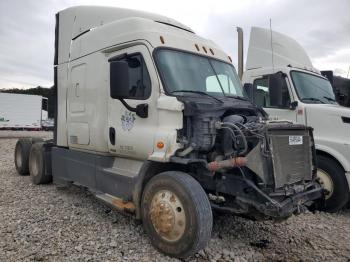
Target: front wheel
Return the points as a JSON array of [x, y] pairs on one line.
[[176, 214], [332, 178]]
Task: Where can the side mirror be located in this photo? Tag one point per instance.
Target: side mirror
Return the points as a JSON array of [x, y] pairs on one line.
[[248, 89], [276, 81], [119, 79], [341, 97], [277, 86], [119, 86], [293, 105], [142, 110]]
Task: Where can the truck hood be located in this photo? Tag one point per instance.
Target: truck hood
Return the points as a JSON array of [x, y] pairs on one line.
[[328, 109], [327, 119], [286, 51]]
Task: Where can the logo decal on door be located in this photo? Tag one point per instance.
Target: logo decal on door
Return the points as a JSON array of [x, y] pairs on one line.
[[128, 120]]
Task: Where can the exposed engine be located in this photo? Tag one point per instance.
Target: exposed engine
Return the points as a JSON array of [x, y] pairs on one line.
[[274, 160]]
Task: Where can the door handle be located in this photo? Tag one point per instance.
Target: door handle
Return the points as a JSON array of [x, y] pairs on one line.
[[77, 92], [112, 135]]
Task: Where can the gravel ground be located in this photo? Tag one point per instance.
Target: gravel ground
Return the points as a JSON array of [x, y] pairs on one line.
[[44, 223]]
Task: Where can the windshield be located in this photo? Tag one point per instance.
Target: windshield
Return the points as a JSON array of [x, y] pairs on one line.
[[313, 89], [187, 72]]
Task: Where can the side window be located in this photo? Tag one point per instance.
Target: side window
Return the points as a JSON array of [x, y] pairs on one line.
[[139, 80], [273, 97], [261, 92]]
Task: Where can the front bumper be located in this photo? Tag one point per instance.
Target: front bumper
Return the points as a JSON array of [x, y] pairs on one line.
[[294, 203], [273, 207], [277, 205]]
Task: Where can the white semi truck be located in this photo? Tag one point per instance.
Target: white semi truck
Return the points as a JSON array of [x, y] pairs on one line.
[[302, 95], [19, 111], [153, 120]]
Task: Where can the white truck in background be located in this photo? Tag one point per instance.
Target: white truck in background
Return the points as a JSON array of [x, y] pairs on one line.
[[19, 111], [280, 78]]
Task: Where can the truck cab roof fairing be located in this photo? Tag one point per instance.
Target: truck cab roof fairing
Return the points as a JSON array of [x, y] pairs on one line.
[[77, 20], [286, 51]]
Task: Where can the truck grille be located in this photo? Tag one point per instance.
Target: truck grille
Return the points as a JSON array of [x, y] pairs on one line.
[[291, 152]]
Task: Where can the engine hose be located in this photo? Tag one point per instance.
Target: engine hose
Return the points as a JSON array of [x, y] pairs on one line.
[[245, 143], [233, 135], [185, 152], [228, 163]]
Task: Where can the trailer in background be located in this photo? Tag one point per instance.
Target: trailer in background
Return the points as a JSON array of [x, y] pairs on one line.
[[18, 111]]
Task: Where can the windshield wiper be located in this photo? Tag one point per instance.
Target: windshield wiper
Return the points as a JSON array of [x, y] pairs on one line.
[[330, 99], [312, 99], [197, 92]]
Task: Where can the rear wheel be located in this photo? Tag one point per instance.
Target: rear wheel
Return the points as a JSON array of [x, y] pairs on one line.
[[22, 151], [176, 214], [37, 165], [332, 178]]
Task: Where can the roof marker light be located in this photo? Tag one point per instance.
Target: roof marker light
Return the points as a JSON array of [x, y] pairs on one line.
[[162, 39], [229, 57], [211, 51], [205, 50], [197, 47]]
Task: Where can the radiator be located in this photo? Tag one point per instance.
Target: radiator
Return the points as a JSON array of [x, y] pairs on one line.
[[291, 151]]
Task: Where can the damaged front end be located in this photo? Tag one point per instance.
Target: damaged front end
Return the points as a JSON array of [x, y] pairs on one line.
[[248, 166]]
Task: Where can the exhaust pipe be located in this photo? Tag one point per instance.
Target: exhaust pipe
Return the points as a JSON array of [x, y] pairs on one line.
[[240, 52]]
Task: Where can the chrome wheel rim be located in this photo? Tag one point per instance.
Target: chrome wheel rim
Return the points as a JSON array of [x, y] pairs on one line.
[[326, 182], [168, 215]]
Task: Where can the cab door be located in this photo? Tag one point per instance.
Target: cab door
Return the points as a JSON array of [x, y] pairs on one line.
[[130, 133], [275, 99]]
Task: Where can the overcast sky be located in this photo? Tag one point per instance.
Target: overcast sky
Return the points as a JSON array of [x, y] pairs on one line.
[[322, 27]]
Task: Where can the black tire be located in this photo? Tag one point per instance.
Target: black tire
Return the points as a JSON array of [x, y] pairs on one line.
[[37, 165], [22, 150], [340, 195], [36, 140], [196, 208]]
